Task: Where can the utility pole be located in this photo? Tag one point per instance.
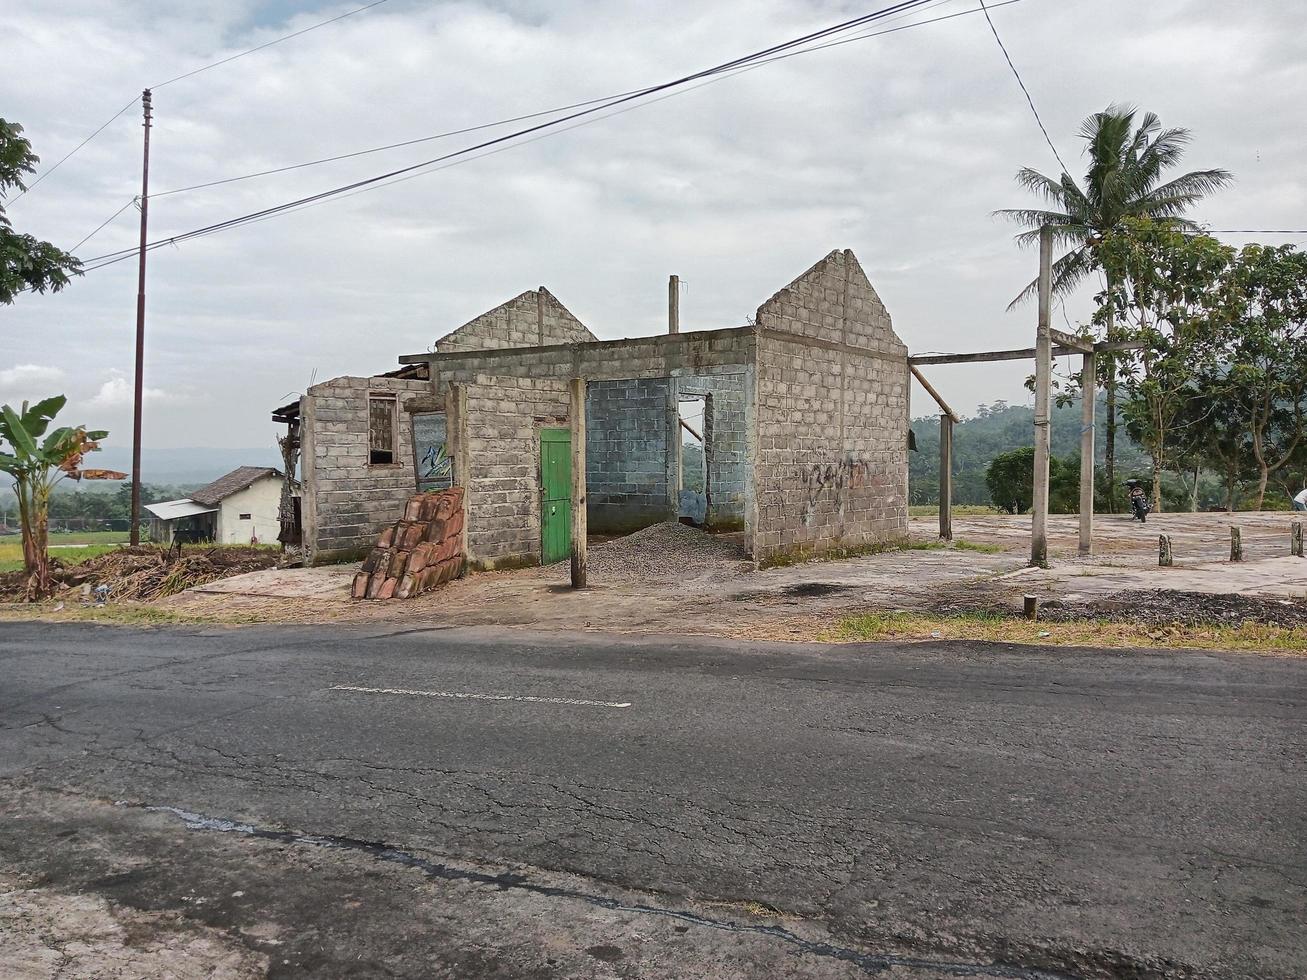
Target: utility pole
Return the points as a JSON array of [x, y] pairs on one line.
[[1043, 385], [135, 536]]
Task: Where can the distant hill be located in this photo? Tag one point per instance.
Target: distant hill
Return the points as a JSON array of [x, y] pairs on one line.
[[997, 428], [189, 467]]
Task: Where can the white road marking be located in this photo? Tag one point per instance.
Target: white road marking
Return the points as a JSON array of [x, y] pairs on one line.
[[461, 695]]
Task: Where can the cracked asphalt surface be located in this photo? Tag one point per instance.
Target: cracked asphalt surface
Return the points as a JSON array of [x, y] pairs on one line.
[[917, 810]]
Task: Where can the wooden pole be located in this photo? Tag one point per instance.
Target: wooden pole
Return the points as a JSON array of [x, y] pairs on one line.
[[1043, 385], [1088, 396], [1165, 557], [579, 530], [946, 477], [1295, 539], [674, 304], [1236, 544]]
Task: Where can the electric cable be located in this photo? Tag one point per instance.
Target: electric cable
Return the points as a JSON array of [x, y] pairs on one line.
[[1017, 75], [675, 83], [46, 173]]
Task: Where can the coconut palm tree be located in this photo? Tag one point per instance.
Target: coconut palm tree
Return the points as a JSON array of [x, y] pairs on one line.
[[1127, 164]]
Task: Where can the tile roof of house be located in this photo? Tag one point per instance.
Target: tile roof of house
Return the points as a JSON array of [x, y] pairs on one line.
[[234, 482]]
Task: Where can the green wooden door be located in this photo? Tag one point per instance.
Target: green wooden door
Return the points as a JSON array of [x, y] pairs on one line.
[[555, 495]]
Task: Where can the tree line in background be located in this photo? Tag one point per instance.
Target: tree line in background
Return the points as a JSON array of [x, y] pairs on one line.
[[88, 509], [1215, 384]]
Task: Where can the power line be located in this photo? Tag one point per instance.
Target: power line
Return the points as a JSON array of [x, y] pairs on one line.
[[268, 44], [103, 224], [40, 177], [543, 112], [1256, 231], [287, 37], [705, 73], [1017, 75]]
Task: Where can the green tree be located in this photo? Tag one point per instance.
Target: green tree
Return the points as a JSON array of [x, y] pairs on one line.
[[1127, 167], [26, 262], [1262, 371], [1170, 294], [1011, 480], [36, 466]]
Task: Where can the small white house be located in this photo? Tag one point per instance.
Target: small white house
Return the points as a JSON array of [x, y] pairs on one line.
[[239, 508]]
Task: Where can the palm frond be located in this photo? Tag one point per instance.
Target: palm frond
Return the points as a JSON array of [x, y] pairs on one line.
[[1068, 272], [1051, 190]]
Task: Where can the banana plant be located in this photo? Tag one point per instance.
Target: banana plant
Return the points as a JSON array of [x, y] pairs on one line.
[[37, 460]]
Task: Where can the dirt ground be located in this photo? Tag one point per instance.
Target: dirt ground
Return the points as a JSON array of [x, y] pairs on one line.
[[674, 583]]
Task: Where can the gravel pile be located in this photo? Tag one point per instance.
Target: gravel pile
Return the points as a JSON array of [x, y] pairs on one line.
[[1168, 607], [667, 552]]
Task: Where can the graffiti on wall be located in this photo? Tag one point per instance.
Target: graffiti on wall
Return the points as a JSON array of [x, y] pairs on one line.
[[832, 481], [435, 469]]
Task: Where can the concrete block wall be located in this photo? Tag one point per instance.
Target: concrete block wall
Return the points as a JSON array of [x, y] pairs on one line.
[[347, 501], [504, 417], [626, 469], [532, 319], [505, 529], [832, 414]]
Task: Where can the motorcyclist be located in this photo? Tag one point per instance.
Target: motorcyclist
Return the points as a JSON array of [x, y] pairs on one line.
[[1138, 501]]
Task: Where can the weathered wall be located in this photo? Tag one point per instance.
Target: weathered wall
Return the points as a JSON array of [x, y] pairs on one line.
[[532, 319], [512, 394], [626, 440], [502, 504], [347, 500], [261, 501], [831, 466]]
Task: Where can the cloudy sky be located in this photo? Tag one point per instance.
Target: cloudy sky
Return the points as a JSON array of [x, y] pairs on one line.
[[898, 147]]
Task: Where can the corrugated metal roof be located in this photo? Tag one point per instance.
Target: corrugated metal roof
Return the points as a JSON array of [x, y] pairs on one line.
[[171, 510]]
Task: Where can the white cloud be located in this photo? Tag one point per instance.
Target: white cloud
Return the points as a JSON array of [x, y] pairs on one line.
[[898, 147], [117, 392], [24, 377]]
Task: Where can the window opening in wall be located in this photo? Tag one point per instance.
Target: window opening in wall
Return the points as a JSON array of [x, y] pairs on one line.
[[247, 517], [381, 429]]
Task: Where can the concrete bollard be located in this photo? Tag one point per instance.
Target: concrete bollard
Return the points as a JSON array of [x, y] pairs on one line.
[[1295, 539], [1236, 544], [1164, 557], [1032, 607]]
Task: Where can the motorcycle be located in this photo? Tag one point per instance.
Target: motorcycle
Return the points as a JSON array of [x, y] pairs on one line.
[[1139, 507]]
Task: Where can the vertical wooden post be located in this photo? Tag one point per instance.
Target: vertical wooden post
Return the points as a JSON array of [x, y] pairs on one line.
[[1088, 396], [674, 304], [1236, 544], [946, 477], [456, 444], [1164, 555], [579, 530], [1043, 385], [1295, 539]]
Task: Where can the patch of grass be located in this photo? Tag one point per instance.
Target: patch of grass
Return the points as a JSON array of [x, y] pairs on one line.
[[995, 627], [11, 553], [959, 510], [958, 544], [116, 614], [800, 554]]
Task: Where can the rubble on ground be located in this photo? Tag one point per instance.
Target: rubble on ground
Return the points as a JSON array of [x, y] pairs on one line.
[[146, 572], [1166, 607], [666, 552]]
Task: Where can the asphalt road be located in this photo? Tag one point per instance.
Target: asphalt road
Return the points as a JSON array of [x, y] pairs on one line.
[[662, 806]]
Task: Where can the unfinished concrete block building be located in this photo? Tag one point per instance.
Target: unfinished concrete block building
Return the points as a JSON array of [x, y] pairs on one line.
[[797, 430]]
